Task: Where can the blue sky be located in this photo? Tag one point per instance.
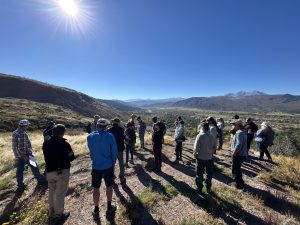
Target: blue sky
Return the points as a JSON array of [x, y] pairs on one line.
[[155, 48]]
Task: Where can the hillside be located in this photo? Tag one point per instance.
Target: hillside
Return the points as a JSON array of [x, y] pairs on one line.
[[12, 110], [261, 103], [23, 88], [169, 197]]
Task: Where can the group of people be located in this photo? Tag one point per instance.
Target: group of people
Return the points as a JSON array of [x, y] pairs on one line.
[[242, 135], [107, 144]]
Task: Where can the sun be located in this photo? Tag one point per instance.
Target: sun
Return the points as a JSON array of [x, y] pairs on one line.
[[69, 7]]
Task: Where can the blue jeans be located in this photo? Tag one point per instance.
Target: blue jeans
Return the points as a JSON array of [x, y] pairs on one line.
[[20, 170], [263, 149], [204, 166], [129, 148]]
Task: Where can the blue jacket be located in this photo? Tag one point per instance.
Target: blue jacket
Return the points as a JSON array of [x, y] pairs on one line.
[[239, 143], [103, 149]]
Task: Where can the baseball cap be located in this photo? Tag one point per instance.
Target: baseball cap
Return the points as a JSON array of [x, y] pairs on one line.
[[237, 122], [265, 124], [24, 122], [102, 122], [116, 119]]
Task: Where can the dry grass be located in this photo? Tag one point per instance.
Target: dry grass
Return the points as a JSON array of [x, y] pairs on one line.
[[287, 171]]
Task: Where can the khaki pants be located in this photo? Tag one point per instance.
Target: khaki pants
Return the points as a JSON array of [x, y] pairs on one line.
[[121, 164], [58, 186]]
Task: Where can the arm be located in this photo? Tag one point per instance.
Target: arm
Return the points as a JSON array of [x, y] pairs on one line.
[[70, 152], [237, 145], [196, 146], [114, 150]]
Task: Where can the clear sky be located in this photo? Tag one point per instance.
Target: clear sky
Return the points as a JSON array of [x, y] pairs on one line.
[[122, 49]]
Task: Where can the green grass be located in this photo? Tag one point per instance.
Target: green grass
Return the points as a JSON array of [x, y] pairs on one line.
[[6, 180], [34, 212]]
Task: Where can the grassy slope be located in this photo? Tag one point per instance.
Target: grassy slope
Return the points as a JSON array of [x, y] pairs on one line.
[[12, 110]]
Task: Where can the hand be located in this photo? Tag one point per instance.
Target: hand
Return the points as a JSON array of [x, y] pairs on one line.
[[25, 158]]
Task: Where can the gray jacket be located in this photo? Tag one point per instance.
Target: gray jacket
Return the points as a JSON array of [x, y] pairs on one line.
[[205, 145]]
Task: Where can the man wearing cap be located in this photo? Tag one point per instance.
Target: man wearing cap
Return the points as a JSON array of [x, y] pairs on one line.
[[239, 152], [93, 125], [141, 130], [119, 135], [48, 132], [103, 151], [204, 148], [58, 154], [22, 150]]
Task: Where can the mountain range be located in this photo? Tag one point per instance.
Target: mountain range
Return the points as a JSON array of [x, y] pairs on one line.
[[82, 104]]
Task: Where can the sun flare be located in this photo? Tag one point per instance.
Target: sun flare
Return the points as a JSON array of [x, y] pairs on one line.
[[69, 7]]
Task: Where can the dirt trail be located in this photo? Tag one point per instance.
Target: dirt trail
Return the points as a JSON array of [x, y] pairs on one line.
[[258, 204]]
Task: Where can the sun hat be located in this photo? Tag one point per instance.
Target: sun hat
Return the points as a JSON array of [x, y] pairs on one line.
[[237, 122], [265, 124], [102, 122], [24, 122]]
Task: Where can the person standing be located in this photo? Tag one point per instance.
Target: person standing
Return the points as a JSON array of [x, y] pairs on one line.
[[157, 138], [22, 149], [141, 131], [93, 125], [239, 152], [266, 135], [161, 125], [103, 152], [221, 126], [48, 132], [204, 148], [179, 138], [213, 128], [130, 142], [119, 135], [251, 129], [58, 154]]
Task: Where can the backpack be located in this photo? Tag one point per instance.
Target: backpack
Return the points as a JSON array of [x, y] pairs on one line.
[[269, 137], [162, 127]]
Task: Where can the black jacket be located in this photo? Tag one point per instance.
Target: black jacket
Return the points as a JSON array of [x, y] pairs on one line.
[[157, 138], [58, 154], [119, 135]]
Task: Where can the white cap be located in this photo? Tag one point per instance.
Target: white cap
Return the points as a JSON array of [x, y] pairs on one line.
[[24, 122], [265, 124], [102, 122]]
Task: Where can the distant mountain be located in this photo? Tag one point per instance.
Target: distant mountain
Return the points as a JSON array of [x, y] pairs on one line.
[[23, 88], [149, 102], [120, 105], [254, 103], [245, 93]]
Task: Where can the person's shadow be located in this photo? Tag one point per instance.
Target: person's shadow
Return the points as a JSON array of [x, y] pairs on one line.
[[10, 207]]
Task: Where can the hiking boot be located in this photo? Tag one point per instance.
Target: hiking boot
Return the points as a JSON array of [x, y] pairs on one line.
[[110, 212], [59, 219], [96, 215]]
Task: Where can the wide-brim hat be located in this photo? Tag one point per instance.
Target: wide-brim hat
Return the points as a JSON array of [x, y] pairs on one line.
[[102, 122], [265, 124], [24, 122]]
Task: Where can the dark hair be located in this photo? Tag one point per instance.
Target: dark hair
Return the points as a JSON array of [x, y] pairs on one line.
[[206, 126], [138, 118], [182, 122], [59, 129], [236, 117]]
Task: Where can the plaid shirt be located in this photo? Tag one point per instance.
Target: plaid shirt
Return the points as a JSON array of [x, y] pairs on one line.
[[20, 143]]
